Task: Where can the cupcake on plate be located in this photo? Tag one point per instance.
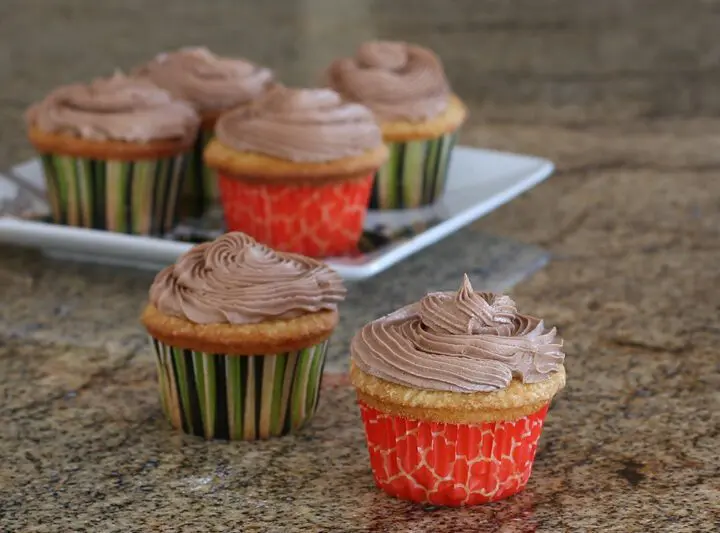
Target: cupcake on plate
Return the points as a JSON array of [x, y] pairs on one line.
[[295, 170], [114, 153], [213, 85], [240, 334], [405, 86], [453, 392]]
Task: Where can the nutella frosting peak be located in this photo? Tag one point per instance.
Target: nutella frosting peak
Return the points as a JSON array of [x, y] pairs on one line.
[[462, 341], [398, 81], [235, 280], [209, 82], [116, 108], [303, 125]]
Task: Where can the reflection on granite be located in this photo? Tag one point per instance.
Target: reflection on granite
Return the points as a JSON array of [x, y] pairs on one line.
[[621, 94]]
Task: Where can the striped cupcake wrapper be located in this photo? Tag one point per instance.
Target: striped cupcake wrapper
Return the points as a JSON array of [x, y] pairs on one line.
[[414, 174], [200, 188], [137, 197], [239, 397]]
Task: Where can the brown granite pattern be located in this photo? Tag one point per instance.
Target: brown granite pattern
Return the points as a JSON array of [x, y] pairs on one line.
[[621, 94]]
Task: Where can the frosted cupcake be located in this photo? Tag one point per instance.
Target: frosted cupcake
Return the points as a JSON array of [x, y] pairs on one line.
[[295, 170], [213, 85], [114, 153], [240, 334], [453, 392], [405, 86]]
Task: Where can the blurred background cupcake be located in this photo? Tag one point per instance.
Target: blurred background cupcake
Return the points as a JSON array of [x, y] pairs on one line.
[[405, 86], [295, 170], [240, 334], [213, 85], [114, 153], [453, 392]]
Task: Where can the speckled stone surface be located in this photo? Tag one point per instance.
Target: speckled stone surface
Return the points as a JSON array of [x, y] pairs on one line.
[[621, 94]]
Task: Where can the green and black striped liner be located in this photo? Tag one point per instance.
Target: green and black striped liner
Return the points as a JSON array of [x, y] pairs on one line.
[[137, 197], [414, 174], [200, 189], [239, 397]]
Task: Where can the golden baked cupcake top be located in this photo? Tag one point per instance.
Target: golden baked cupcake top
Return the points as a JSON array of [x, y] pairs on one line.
[[300, 125], [397, 81], [118, 108], [460, 342], [208, 81], [236, 296]]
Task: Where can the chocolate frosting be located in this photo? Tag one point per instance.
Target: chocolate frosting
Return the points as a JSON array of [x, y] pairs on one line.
[[398, 81], [209, 82], [235, 280], [303, 125], [462, 341], [116, 108]]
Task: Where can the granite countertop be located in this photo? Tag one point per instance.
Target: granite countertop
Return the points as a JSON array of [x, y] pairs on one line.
[[622, 95]]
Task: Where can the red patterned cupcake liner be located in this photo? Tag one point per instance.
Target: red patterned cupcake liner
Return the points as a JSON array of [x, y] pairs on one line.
[[451, 464], [314, 220]]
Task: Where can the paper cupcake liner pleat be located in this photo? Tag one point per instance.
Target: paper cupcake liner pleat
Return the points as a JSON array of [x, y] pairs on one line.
[[414, 175], [450, 464], [314, 220], [136, 197], [200, 189], [239, 397]]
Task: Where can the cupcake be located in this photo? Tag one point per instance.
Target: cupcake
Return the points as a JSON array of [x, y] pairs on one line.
[[453, 391], [213, 85], [406, 88], [240, 334], [295, 170], [114, 153]]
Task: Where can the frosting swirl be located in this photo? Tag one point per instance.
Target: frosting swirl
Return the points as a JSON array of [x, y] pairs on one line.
[[304, 125], [207, 81], [235, 280], [461, 342], [398, 81], [116, 108]]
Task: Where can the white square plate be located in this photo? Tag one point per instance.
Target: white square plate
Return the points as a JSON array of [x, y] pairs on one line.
[[479, 181]]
